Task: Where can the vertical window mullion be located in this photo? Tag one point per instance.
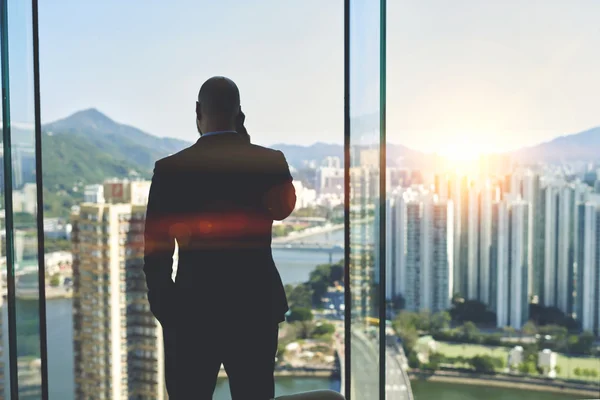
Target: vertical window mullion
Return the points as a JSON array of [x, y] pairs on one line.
[[40, 202], [8, 203], [347, 293], [382, 201]]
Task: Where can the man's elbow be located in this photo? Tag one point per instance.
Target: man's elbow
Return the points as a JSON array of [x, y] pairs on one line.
[[287, 208], [281, 202]]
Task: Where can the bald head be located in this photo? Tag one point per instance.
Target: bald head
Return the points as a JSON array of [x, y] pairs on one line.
[[218, 104]]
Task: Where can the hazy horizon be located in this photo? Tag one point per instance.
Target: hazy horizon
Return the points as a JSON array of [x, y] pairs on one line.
[[339, 143]]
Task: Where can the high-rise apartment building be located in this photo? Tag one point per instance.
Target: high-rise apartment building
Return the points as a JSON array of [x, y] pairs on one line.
[[472, 244], [531, 192], [118, 343], [519, 263], [564, 261], [588, 267], [364, 260], [330, 177], [459, 193], [499, 263], [487, 196], [390, 226], [509, 263], [398, 241], [548, 296], [442, 255], [427, 238]]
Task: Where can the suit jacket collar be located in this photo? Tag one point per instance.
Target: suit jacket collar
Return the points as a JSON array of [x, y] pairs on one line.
[[221, 137]]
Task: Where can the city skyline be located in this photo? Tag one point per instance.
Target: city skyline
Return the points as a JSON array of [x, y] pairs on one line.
[[462, 159], [469, 240]]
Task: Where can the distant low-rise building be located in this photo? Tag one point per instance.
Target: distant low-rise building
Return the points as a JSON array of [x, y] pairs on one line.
[[305, 197], [515, 357], [547, 362]]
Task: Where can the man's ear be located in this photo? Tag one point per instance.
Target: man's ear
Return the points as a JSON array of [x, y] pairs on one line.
[[198, 110]]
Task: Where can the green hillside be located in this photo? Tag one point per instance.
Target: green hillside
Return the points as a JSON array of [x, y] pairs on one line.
[[88, 148]]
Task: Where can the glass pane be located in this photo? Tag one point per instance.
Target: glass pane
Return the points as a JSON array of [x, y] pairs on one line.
[[24, 199], [92, 252], [366, 292], [495, 187], [4, 344]]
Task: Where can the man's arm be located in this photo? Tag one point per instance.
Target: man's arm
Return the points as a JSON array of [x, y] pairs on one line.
[[280, 200], [159, 247]]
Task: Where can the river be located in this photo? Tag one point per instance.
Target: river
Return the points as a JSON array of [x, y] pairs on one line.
[[423, 390], [294, 267]]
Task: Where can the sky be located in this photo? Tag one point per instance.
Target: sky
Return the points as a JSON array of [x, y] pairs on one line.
[[480, 75]]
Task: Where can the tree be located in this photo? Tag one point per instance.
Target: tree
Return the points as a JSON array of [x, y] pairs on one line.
[[405, 320], [440, 321], [305, 329], [322, 277], [435, 359], [530, 328], [483, 364], [409, 339], [594, 373], [577, 371], [469, 332], [405, 327], [299, 296], [527, 367], [471, 310], [413, 360], [55, 280], [550, 316], [509, 330], [300, 314], [557, 369], [280, 351], [324, 329], [422, 321], [584, 344]]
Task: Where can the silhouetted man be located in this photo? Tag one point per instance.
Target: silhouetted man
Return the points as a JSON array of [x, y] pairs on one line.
[[218, 199]]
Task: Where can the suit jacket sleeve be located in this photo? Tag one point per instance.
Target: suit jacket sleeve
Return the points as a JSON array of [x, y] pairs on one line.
[[280, 200], [159, 246]]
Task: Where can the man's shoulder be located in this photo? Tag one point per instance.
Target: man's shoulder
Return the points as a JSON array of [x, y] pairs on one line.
[[266, 150], [191, 158], [174, 160]]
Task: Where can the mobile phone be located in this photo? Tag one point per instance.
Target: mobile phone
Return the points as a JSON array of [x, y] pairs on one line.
[[239, 125]]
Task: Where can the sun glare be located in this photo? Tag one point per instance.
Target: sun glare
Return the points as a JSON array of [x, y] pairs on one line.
[[461, 153]]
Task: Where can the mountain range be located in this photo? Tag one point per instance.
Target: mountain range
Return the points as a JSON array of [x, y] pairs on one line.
[[88, 147]]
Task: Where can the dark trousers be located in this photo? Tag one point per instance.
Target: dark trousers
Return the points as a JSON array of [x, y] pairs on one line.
[[194, 352]]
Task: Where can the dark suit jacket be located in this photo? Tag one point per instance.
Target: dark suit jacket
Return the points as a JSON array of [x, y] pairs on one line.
[[217, 199]]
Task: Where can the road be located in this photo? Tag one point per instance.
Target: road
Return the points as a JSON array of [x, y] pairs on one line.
[[365, 371]]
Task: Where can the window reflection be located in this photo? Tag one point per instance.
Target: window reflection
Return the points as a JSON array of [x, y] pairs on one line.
[[97, 170], [493, 192]]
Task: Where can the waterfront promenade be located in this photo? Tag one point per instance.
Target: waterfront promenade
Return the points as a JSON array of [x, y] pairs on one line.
[[308, 232], [505, 381]]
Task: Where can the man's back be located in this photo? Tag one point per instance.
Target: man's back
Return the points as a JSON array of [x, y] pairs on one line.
[[212, 198], [218, 199]]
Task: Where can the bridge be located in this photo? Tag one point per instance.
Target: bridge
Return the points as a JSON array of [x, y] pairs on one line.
[[316, 230], [329, 248], [313, 247]]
